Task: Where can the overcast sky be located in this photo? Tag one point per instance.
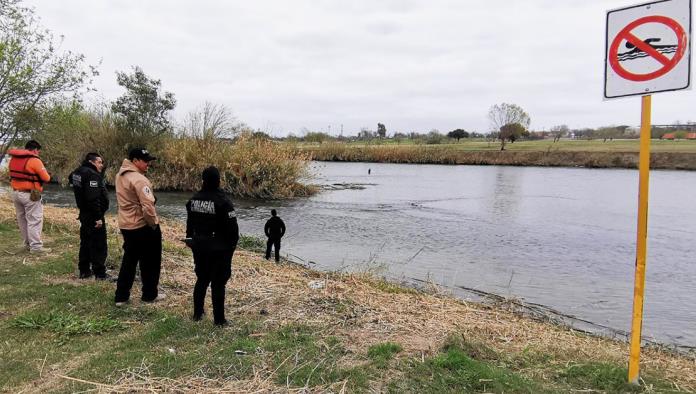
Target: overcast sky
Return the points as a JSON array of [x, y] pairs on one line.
[[281, 66]]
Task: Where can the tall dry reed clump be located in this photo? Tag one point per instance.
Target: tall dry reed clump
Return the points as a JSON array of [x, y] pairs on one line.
[[250, 167]]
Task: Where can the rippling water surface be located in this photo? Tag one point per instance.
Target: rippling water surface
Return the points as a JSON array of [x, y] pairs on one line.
[[560, 237]]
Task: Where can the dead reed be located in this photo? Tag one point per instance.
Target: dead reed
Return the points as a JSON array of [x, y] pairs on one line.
[[250, 167]]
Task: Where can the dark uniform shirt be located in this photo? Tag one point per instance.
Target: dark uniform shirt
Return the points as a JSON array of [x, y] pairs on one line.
[[90, 192], [211, 221], [274, 228]]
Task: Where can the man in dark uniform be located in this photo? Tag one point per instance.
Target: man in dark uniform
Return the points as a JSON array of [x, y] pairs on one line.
[[274, 229], [212, 233], [92, 201]]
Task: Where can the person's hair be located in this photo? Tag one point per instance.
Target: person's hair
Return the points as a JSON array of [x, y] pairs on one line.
[[273, 212], [32, 145], [211, 178], [92, 156]]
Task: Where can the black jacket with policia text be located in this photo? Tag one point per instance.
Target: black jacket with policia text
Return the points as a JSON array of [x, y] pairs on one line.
[[90, 192], [211, 221]]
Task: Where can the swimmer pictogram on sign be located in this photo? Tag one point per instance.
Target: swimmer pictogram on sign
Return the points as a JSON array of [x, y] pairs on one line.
[[644, 48], [636, 52], [648, 49]]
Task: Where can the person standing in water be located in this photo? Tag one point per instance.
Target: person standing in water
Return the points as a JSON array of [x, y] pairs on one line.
[[274, 229]]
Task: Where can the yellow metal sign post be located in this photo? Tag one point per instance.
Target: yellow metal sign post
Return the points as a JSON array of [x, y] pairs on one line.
[[634, 67], [641, 241]]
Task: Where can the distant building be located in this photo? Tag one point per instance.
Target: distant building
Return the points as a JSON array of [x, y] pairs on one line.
[[539, 135], [678, 136], [690, 127]]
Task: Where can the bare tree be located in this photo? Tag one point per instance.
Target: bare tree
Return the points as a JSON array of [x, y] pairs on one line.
[[501, 115], [559, 131], [212, 121], [365, 134]]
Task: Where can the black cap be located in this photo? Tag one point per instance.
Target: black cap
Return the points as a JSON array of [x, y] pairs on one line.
[[140, 153]]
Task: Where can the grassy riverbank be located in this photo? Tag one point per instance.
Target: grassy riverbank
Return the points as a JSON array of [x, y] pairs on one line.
[[565, 153], [353, 333]]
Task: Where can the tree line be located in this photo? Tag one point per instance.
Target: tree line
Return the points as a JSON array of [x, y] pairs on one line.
[[509, 123]]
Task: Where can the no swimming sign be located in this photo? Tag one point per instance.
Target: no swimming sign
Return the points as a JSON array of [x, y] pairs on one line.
[[648, 49]]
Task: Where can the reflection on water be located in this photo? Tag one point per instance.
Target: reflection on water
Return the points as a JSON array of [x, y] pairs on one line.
[[561, 237], [505, 193]]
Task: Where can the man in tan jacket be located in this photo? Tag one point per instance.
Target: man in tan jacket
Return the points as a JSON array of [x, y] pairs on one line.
[[139, 225]]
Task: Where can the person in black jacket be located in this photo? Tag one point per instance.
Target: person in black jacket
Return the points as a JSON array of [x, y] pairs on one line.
[[212, 233], [92, 200], [274, 229]]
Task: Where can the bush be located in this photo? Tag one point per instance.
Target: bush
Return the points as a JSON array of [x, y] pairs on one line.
[[250, 167], [67, 132]]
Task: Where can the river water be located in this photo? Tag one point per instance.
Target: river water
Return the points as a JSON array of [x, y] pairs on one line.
[[560, 237]]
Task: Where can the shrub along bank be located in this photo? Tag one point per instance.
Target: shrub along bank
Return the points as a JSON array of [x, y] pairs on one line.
[[250, 167]]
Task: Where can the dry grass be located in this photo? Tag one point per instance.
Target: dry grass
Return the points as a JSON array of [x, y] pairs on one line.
[[353, 308], [536, 155], [251, 167]]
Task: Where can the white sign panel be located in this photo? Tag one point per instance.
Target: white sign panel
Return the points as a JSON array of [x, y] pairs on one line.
[[648, 49]]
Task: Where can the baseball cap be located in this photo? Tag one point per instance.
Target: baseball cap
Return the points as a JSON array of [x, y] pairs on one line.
[[140, 153]]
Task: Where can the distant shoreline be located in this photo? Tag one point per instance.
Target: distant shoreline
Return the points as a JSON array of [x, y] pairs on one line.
[[449, 155]]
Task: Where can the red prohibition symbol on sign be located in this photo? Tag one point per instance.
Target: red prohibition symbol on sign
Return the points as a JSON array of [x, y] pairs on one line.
[[667, 63]]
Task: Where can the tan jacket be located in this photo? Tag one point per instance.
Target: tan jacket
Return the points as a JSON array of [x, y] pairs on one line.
[[136, 202]]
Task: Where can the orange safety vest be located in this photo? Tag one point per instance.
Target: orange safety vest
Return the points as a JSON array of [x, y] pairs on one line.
[[19, 158]]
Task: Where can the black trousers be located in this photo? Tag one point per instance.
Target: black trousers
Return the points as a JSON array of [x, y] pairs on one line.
[[92, 249], [214, 269], [275, 242], [144, 246]]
